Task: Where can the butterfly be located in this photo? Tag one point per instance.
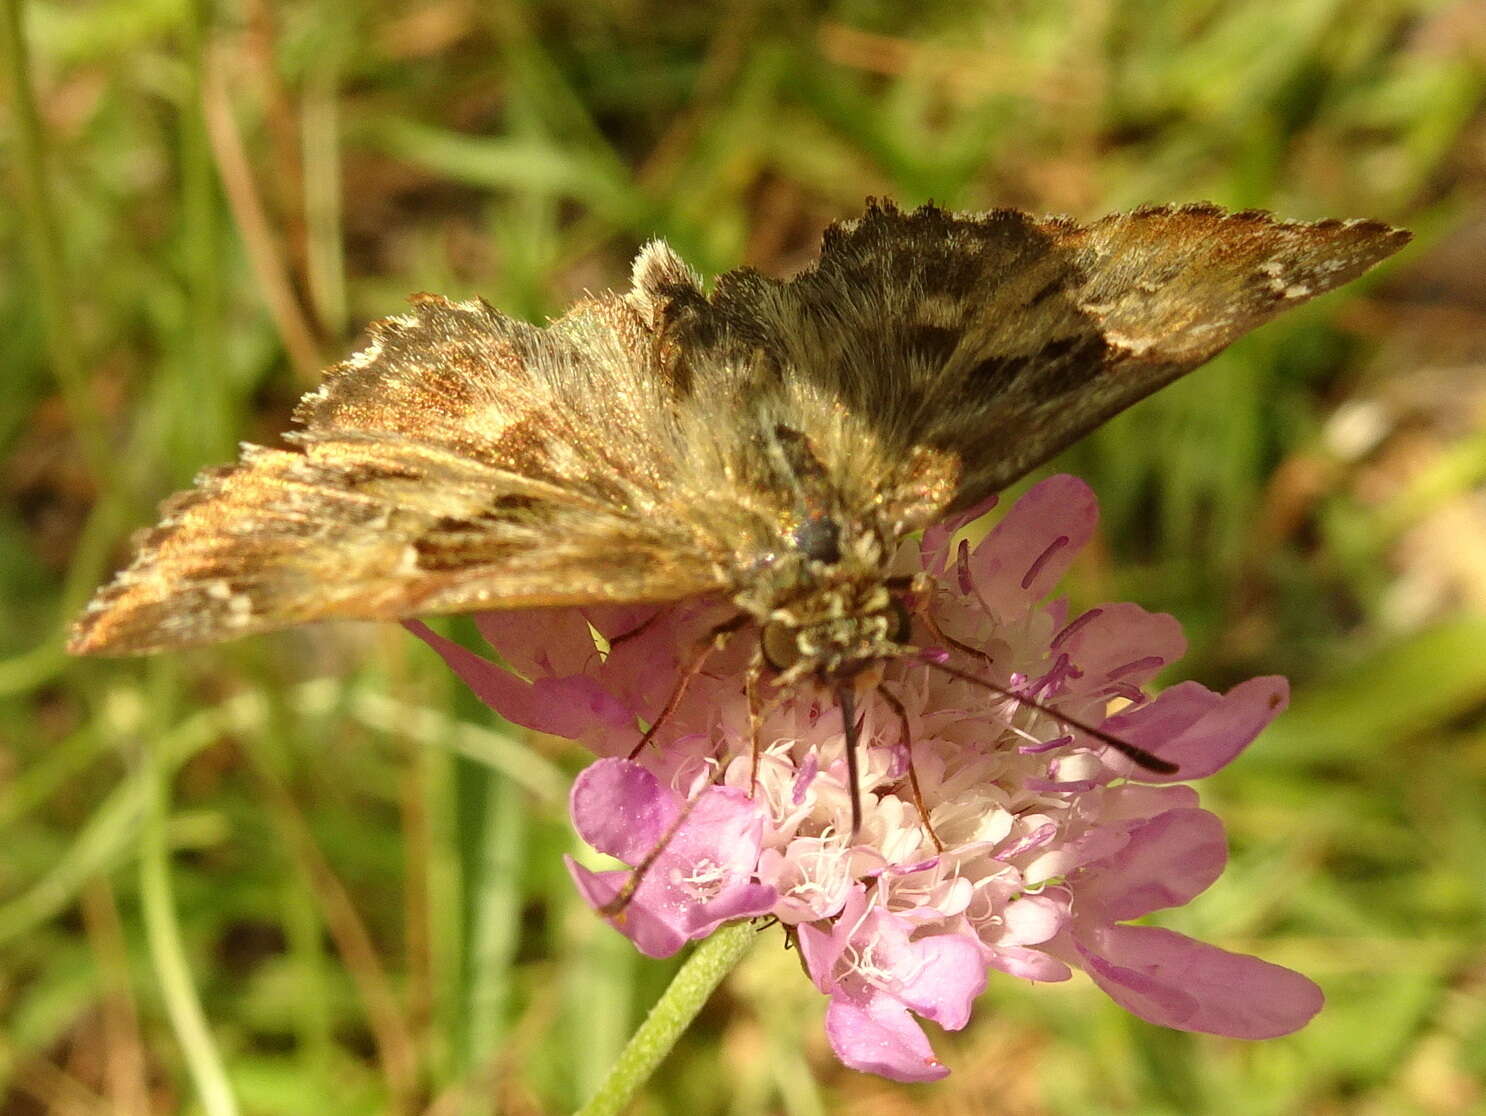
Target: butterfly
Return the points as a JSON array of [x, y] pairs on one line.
[[769, 442]]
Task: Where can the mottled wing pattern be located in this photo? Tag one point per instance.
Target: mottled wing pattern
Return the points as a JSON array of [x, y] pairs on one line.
[[1000, 337], [670, 442], [461, 461]]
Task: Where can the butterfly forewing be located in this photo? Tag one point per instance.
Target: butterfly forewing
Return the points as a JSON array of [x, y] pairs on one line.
[[461, 462], [672, 442], [1001, 337]]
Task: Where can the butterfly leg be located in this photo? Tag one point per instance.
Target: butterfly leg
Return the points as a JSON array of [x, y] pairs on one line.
[[759, 712], [755, 712], [917, 585], [944, 637], [638, 629], [918, 797], [846, 699], [614, 908], [1132, 752], [715, 640]]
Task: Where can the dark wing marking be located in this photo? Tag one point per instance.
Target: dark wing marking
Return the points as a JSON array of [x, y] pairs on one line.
[[1001, 337]]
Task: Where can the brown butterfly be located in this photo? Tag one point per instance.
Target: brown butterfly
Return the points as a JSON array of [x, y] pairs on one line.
[[769, 442]]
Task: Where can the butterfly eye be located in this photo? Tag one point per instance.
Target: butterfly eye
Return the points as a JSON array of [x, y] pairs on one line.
[[781, 645], [819, 537]]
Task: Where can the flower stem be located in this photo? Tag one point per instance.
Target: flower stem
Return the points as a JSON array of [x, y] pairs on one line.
[[168, 952], [672, 1013]]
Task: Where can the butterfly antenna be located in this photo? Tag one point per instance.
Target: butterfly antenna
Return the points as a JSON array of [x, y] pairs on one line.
[[847, 698], [1130, 751]]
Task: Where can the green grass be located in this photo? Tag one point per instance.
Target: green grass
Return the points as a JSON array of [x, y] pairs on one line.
[[303, 874]]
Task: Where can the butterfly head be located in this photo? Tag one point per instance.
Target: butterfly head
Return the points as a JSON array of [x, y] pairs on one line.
[[826, 609], [829, 642]]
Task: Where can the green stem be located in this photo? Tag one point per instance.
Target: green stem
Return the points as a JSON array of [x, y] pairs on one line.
[[167, 952], [201, 427], [42, 230], [496, 921], [671, 1015]]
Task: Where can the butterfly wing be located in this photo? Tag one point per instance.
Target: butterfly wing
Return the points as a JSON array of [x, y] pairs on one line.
[[670, 442], [1000, 338], [461, 461]]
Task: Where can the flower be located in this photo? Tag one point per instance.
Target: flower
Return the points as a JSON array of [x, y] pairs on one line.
[[703, 875], [1040, 845]]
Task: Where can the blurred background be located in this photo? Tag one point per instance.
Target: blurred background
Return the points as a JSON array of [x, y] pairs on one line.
[[305, 872]]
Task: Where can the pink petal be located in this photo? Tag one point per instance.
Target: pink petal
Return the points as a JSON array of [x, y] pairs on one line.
[[1032, 920], [653, 936], [1027, 964], [875, 1034], [704, 874], [1031, 549], [1195, 728], [540, 641], [575, 704], [948, 972], [642, 668], [748, 900], [1121, 641], [613, 621], [725, 826], [621, 809], [935, 545], [514, 699], [1167, 861], [1170, 979], [819, 950]]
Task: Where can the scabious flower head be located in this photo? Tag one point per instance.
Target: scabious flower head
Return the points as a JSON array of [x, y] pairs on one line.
[[1051, 841]]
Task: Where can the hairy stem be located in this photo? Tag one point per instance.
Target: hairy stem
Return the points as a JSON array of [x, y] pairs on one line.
[[671, 1015]]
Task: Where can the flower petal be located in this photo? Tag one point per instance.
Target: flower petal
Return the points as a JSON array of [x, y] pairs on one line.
[[875, 1033], [1032, 920], [653, 936], [1026, 554], [1121, 642], [1195, 728], [621, 809], [1171, 979], [575, 704], [540, 641], [934, 548], [819, 949], [948, 973], [613, 621], [513, 698], [1166, 862], [1027, 964]]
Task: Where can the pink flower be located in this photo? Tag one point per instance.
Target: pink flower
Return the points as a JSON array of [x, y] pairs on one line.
[[1051, 840], [876, 966], [703, 876]]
